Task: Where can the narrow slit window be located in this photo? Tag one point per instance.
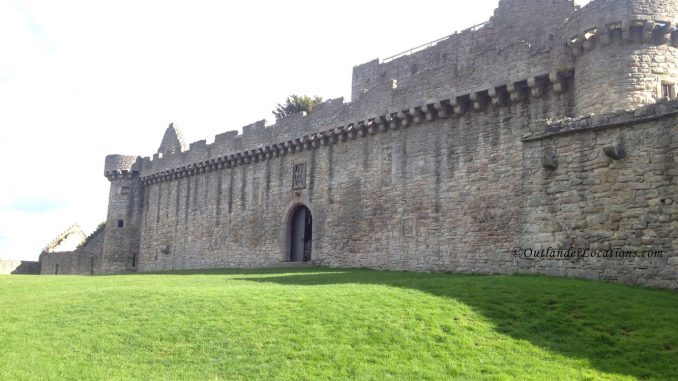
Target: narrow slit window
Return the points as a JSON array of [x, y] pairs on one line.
[[666, 90]]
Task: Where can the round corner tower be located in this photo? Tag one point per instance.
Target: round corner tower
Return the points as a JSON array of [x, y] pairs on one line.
[[625, 52], [121, 238]]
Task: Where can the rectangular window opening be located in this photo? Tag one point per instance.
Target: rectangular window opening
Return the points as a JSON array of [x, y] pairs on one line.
[[668, 90], [121, 223], [124, 190]]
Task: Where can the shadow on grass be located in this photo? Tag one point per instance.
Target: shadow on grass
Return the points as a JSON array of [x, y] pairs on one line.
[[618, 329]]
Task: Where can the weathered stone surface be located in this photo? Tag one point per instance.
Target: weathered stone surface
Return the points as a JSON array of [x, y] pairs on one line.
[[445, 171]]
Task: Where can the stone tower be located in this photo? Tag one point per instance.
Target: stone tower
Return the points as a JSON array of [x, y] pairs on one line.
[[125, 205], [625, 53]]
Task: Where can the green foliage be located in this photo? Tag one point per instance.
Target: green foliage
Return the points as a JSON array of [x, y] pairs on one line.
[[295, 104], [321, 324]]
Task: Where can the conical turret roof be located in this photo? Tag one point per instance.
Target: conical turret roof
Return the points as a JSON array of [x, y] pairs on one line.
[[172, 141]]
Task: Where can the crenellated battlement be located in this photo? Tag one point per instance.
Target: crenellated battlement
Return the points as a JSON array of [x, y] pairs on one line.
[[229, 149], [657, 32], [504, 61], [117, 166]]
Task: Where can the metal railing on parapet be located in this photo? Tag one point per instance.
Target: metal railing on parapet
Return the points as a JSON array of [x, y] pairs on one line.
[[431, 43]]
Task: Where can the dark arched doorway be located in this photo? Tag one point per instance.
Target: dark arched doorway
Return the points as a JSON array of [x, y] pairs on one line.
[[301, 233]]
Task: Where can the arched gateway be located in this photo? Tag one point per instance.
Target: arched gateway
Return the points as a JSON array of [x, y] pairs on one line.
[[300, 234]]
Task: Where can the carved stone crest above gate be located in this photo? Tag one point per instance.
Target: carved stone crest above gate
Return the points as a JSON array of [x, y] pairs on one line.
[[299, 176]]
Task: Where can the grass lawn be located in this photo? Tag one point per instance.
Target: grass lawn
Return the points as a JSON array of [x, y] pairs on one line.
[[318, 323]]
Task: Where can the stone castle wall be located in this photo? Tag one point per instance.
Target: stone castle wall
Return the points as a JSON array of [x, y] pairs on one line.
[[398, 199], [446, 159], [615, 187]]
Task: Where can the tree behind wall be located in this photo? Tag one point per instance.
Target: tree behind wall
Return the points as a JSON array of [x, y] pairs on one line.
[[295, 104]]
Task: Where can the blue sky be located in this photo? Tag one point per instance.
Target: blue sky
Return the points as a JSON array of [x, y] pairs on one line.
[[82, 79]]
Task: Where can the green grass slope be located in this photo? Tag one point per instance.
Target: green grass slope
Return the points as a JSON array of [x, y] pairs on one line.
[[317, 323]]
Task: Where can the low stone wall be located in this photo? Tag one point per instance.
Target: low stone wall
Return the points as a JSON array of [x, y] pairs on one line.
[[11, 266]]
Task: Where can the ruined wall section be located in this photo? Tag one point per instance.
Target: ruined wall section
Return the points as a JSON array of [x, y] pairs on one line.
[[614, 187], [85, 260], [10, 266]]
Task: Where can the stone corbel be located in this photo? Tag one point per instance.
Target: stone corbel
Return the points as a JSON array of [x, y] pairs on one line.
[[458, 108], [282, 149], [577, 46], [307, 143], [603, 35], [315, 141], [497, 96], [535, 89], [342, 133], [588, 43], [361, 129], [429, 112], [393, 122], [373, 126], [352, 132], [417, 115], [648, 28], [516, 92], [383, 123], [478, 101], [556, 81], [443, 109], [298, 145], [322, 137], [404, 118], [333, 139], [291, 147], [626, 31]]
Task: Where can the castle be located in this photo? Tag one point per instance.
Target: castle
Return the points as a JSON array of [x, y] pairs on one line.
[[542, 141]]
